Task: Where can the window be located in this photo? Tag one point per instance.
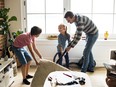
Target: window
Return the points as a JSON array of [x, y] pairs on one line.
[[100, 11], [48, 14], [81, 6], [103, 15], [114, 17], [104, 22]]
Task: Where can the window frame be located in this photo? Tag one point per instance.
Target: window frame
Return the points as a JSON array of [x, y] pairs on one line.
[[67, 7]]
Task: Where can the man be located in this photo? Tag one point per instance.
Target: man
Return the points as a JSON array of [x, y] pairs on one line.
[[83, 24]]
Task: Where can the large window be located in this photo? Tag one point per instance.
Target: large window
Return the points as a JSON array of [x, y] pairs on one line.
[[48, 14], [100, 11]]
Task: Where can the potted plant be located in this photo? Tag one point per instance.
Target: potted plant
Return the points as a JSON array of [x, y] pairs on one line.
[[5, 20], [5, 26], [10, 50], [14, 35]]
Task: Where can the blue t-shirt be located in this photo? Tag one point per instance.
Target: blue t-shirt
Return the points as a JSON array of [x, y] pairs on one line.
[[62, 41]]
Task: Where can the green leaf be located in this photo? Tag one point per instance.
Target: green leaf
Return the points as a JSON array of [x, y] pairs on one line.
[[19, 32], [13, 18], [4, 12]]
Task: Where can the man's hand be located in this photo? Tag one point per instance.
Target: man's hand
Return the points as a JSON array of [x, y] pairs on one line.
[[68, 48]]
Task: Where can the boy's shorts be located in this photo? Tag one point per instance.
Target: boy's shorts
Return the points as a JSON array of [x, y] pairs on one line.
[[22, 55]]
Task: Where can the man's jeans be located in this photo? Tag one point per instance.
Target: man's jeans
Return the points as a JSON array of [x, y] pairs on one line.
[[88, 63]]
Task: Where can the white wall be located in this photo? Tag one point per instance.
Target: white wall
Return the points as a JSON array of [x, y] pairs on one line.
[[16, 9], [101, 50]]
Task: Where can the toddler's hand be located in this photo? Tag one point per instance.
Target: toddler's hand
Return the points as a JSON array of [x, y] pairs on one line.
[[68, 48]]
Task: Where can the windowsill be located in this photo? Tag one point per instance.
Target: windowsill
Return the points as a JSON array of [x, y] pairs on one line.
[[107, 40], [45, 39], [100, 42], [112, 37]]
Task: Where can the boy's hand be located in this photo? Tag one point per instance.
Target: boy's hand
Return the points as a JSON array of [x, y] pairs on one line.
[[40, 57], [37, 63]]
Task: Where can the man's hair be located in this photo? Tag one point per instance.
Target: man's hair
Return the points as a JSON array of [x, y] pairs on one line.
[[69, 14], [35, 30]]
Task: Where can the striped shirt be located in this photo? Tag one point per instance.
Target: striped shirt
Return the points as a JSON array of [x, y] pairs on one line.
[[83, 24]]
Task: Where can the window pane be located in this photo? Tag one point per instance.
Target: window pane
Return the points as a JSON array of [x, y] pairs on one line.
[[48, 14], [35, 6], [52, 22], [54, 6], [73, 28], [102, 6], [81, 6], [104, 22], [36, 20], [115, 6], [114, 24]]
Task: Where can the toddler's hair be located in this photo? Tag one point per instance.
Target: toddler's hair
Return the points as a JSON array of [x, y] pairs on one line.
[[63, 26]]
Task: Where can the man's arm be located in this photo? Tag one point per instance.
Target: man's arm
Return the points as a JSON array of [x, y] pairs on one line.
[[76, 38]]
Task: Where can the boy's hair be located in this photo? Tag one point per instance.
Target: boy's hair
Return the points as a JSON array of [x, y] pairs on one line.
[[35, 30], [69, 14]]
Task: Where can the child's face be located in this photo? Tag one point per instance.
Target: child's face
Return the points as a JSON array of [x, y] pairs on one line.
[[37, 35], [61, 28]]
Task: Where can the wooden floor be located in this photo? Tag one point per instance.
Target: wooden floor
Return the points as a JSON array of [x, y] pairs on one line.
[[97, 78]]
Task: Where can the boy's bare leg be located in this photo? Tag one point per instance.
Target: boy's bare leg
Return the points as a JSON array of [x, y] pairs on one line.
[[28, 67], [27, 70], [23, 69]]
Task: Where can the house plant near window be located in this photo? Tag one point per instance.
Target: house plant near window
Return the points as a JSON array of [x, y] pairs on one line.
[[5, 20], [10, 50]]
